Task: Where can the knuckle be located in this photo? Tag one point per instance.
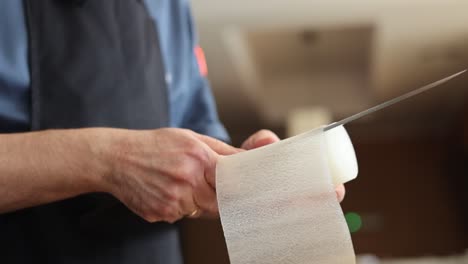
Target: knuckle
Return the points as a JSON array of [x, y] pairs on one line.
[[197, 151], [192, 148], [186, 171], [203, 156]]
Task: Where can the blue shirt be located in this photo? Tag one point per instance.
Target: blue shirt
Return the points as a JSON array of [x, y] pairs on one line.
[[190, 99]]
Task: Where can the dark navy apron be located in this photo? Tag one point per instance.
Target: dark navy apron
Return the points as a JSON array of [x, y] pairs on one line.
[[93, 63]]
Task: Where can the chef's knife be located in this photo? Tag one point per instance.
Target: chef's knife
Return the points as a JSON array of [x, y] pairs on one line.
[[392, 101]]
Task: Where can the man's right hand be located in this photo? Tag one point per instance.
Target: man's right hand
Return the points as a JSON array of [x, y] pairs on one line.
[[164, 174]]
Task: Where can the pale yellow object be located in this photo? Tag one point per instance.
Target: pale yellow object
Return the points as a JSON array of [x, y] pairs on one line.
[[341, 156]]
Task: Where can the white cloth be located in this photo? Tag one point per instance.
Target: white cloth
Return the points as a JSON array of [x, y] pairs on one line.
[[278, 205]]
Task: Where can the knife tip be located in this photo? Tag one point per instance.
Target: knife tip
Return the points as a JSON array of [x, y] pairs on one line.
[[455, 75]]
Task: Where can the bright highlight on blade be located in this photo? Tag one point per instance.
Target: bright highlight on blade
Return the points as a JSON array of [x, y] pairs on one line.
[[392, 101]]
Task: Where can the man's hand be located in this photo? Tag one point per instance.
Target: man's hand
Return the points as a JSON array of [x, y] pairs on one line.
[[166, 174], [161, 175], [265, 137]]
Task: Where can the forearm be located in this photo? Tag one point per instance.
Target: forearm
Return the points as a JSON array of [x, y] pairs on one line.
[[41, 167]]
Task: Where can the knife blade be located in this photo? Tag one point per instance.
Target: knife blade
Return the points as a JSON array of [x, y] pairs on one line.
[[392, 101]]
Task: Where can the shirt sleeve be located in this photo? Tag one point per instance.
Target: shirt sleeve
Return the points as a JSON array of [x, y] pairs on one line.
[[202, 115]]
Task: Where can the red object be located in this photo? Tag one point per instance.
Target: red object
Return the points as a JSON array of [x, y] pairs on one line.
[[201, 59]]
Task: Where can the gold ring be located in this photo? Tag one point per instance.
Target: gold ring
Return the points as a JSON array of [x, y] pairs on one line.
[[194, 213]]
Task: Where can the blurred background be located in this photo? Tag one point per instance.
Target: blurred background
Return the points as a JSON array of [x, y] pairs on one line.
[[290, 66]]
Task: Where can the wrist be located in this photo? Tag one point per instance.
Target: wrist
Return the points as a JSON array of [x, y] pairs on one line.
[[110, 148], [100, 142]]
